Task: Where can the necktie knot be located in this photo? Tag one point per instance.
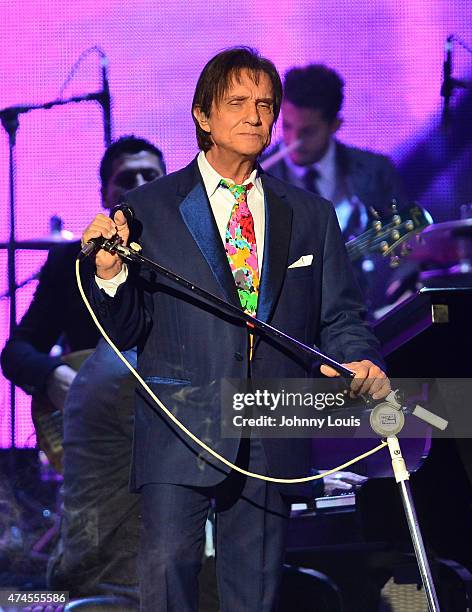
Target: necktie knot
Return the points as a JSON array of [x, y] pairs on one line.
[[239, 191]]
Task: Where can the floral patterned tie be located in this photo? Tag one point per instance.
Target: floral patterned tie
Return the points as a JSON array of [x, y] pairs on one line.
[[241, 249]]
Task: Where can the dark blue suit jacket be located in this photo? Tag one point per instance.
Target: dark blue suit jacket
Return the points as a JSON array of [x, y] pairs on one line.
[[185, 348]]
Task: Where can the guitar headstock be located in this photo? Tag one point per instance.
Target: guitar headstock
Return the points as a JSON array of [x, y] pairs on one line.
[[389, 237]]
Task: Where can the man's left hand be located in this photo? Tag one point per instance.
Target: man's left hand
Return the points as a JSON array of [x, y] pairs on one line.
[[369, 378]]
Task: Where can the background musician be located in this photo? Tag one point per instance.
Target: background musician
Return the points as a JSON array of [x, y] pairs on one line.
[[100, 525], [355, 180]]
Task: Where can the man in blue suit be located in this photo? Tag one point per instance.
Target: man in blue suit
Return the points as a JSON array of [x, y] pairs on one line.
[[263, 246]]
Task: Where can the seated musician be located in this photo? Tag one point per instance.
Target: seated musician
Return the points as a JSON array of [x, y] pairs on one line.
[[100, 523]]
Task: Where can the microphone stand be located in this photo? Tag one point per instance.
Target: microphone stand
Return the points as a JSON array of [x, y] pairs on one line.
[[9, 118], [450, 83], [389, 411], [105, 101]]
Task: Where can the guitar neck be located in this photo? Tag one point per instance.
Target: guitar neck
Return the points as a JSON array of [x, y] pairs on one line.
[[383, 238], [359, 246]]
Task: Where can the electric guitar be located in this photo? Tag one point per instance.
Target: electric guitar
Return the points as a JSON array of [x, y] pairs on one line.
[[383, 238]]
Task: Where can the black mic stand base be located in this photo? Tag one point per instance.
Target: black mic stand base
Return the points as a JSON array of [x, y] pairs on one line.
[[402, 478]]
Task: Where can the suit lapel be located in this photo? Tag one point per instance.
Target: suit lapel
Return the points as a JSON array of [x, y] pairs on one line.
[[278, 226], [198, 217]]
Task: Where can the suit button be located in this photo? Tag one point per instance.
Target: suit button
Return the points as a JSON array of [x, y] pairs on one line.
[[238, 356]]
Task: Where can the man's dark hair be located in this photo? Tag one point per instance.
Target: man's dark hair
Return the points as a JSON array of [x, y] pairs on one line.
[[217, 76], [315, 86], [126, 145]]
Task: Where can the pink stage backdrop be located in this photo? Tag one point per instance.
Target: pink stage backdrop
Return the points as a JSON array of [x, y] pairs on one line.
[[390, 53]]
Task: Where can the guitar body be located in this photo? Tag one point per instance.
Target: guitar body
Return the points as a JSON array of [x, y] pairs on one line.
[[48, 420]]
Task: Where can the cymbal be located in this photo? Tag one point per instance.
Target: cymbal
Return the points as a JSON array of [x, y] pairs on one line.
[[42, 242], [444, 244]]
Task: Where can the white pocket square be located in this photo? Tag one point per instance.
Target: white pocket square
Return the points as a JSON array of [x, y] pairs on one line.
[[305, 260]]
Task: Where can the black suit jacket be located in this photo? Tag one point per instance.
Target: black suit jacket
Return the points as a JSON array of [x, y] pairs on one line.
[[56, 313], [185, 348]]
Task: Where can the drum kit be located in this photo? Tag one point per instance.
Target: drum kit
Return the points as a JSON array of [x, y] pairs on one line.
[[443, 251], [56, 235]]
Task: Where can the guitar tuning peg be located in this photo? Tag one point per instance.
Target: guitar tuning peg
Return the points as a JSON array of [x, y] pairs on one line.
[[394, 261], [374, 213], [394, 207], [405, 250]]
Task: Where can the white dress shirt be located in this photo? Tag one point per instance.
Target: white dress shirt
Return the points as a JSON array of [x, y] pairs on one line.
[[221, 202]]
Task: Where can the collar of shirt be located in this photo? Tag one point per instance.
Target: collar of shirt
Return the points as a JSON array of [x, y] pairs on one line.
[[211, 178], [222, 201]]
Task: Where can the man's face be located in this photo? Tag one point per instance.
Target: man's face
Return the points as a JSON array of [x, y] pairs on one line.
[[309, 126], [130, 171], [240, 124]]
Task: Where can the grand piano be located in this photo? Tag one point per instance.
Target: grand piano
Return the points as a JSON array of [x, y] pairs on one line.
[[361, 539]]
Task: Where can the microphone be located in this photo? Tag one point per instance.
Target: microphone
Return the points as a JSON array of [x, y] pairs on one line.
[[448, 81], [95, 244], [105, 101]]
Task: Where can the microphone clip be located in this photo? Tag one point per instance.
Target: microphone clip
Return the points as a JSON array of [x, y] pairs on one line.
[[96, 244], [111, 244]]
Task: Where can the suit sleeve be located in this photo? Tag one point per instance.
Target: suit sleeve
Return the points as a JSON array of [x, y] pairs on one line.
[[345, 334], [126, 317]]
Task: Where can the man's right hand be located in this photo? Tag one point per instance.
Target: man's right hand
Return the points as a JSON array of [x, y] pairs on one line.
[[107, 264]]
